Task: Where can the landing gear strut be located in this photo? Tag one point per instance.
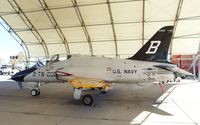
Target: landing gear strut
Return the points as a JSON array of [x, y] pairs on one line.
[[86, 99]]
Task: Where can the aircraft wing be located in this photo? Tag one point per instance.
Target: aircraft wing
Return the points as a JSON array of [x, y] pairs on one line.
[[81, 82], [174, 69]]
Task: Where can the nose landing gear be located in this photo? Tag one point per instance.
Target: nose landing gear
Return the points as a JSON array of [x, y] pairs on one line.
[[35, 92]]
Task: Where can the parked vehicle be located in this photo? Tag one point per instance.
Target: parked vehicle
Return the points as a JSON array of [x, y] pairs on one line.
[[7, 70]]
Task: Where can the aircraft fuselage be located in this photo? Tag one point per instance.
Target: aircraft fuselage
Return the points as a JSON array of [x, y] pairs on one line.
[[108, 69]]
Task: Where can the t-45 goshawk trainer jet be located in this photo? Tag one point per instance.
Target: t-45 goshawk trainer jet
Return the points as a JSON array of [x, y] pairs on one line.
[[148, 65]]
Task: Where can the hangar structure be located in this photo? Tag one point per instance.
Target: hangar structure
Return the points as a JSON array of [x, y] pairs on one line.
[[113, 28]]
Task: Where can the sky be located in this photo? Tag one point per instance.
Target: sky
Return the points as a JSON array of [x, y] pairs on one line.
[[8, 45]]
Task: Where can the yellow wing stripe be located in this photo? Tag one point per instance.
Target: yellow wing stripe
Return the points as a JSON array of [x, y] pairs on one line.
[[89, 83]]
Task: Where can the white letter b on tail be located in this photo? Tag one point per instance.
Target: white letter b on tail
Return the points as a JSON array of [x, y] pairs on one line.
[[153, 47]]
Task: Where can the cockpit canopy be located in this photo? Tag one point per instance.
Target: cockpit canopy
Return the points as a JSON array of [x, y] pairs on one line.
[[56, 58], [38, 64]]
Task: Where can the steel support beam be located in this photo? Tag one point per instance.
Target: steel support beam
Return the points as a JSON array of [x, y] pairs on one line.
[[69, 6], [55, 24], [28, 23], [143, 21], [5, 25], [81, 20], [113, 28], [176, 23], [99, 41], [90, 25]]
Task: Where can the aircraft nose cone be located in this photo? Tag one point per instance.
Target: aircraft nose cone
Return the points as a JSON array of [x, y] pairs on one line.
[[13, 78], [18, 77]]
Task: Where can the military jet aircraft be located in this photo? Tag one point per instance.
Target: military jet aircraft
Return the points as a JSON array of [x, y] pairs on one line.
[[84, 72]]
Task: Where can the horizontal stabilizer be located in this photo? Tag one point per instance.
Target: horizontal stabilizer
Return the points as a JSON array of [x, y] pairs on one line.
[[174, 69]]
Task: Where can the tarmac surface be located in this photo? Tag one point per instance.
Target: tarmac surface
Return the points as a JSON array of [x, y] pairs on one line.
[[122, 105]]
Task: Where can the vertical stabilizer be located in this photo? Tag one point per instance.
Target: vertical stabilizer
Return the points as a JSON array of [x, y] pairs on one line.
[[156, 49]]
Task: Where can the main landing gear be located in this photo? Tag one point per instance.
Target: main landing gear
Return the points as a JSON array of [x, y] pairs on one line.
[[87, 99], [81, 85]]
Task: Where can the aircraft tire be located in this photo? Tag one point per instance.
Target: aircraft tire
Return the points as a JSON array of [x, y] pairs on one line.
[[34, 92], [87, 100], [103, 92]]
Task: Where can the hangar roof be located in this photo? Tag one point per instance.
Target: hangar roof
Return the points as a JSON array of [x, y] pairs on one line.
[[113, 28]]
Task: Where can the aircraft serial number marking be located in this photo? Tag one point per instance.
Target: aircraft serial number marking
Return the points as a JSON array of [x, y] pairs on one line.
[[44, 74]]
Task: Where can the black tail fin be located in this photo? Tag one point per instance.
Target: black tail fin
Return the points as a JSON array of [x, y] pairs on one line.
[[156, 49]]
